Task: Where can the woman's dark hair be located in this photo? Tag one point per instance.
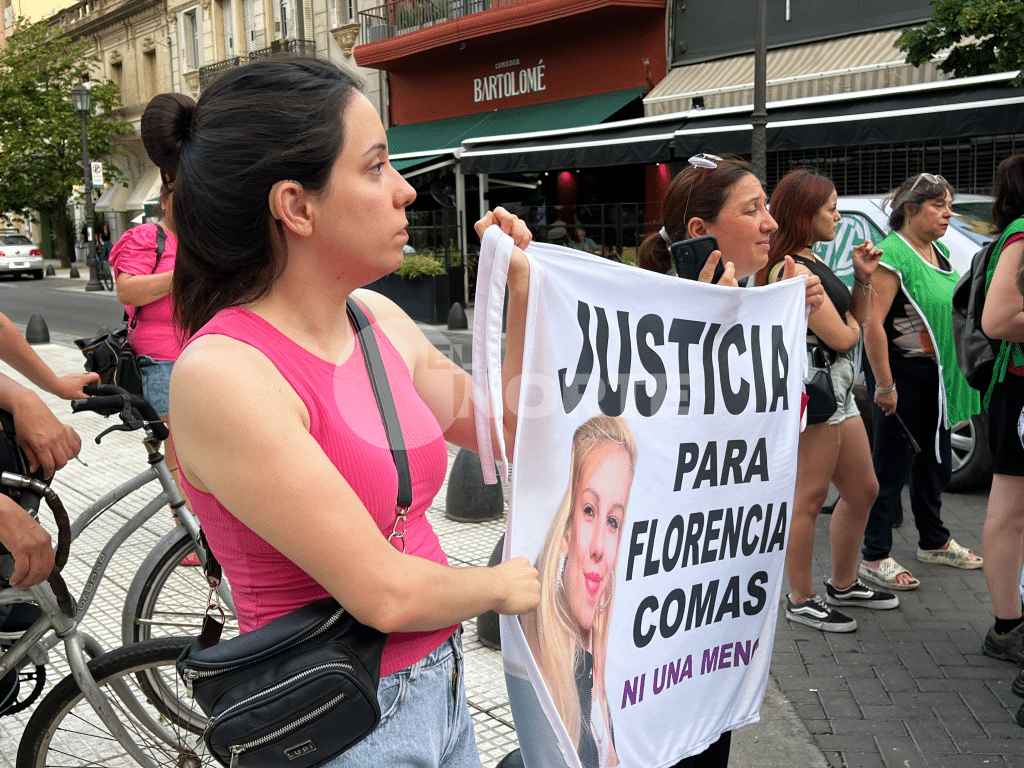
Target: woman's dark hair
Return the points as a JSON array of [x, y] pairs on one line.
[[1009, 193], [795, 202], [254, 126], [695, 193], [913, 193]]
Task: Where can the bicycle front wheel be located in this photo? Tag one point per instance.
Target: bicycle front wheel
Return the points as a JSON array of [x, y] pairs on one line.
[[143, 687], [173, 599]]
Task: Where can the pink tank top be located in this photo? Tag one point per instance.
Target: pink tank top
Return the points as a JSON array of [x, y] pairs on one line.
[[345, 421]]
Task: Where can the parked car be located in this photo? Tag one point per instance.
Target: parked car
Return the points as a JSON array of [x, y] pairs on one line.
[[867, 218], [19, 255]]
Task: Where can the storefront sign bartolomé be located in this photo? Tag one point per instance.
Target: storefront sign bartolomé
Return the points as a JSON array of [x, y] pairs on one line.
[[510, 82]]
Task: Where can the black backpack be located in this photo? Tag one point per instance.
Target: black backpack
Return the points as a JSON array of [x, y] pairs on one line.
[[976, 353]]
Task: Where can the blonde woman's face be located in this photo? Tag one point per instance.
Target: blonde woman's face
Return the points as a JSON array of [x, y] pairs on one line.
[[598, 514]]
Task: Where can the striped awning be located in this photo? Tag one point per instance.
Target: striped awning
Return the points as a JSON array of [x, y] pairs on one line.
[[843, 65]]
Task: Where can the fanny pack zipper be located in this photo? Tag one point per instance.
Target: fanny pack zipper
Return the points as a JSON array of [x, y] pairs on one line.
[[192, 675], [237, 749]]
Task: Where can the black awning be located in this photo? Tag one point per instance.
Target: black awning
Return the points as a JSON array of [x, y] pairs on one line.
[[941, 111], [629, 142]]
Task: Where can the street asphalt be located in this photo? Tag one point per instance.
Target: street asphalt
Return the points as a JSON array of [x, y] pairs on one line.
[[909, 688]]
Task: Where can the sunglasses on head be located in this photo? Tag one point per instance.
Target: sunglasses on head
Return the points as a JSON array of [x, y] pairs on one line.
[[931, 177], [704, 160]]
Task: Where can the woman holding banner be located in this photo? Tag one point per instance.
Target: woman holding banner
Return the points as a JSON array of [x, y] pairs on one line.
[[286, 205], [569, 629], [836, 450], [719, 196]]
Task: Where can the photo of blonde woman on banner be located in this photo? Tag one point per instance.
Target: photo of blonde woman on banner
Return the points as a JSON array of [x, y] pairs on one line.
[[655, 462], [568, 633]]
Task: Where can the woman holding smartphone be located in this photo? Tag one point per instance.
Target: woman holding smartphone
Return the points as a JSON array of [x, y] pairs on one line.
[[837, 450], [723, 198]]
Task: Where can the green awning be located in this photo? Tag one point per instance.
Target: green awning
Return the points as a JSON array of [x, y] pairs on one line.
[[417, 142]]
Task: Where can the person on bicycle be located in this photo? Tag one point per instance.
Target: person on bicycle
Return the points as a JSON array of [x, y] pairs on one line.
[[286, 205]]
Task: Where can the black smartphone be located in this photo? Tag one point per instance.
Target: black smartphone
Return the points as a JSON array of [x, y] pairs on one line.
[[691, 255]]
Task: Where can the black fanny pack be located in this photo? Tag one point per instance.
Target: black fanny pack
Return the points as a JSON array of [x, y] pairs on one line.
[[295, 692]]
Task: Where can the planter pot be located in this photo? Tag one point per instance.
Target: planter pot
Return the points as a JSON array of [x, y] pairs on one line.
[[423, 298]]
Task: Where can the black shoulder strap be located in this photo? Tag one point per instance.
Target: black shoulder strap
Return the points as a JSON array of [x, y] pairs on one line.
[[385, 401], [161, 239]]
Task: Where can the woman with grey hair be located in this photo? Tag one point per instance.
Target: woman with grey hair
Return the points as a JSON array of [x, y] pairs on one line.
[[914, 380]]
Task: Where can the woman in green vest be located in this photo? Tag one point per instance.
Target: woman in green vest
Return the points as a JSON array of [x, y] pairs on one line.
[[914, 378], [1003, 318]]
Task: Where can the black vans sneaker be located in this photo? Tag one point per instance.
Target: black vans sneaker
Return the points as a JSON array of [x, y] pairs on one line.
[[814, 613], [860, 595]]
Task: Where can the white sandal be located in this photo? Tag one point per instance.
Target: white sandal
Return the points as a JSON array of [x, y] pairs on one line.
[[885, 575], [955, 555]]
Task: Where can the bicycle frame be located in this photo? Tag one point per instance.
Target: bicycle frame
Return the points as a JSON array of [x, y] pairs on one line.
[[79, 645]]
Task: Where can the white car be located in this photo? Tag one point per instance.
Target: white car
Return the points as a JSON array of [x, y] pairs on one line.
[[19, 255], [865, 218]]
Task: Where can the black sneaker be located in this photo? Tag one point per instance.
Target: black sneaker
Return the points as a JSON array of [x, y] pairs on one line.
[[814, 613], [1017, 688], [860, 595], [1008, 647]]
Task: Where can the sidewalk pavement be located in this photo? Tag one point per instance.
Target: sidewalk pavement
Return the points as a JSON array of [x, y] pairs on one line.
[[910, 688]]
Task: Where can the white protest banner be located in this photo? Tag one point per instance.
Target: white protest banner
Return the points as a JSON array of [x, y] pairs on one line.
[[655, 462]]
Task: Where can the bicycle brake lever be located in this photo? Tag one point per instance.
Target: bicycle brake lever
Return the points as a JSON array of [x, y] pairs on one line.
[[129, 422]]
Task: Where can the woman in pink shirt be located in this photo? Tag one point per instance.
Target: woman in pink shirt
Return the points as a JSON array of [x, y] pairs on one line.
[[143, 263], [286, 205]]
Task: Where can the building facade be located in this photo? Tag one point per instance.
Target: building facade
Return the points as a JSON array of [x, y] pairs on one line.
[[529, 102], [154, 46]]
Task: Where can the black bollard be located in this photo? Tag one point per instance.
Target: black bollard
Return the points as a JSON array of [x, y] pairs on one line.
[[514, 759], [50, 271], [36, 331], [487, 627], [457, 318], [73, 272], [468, 499]]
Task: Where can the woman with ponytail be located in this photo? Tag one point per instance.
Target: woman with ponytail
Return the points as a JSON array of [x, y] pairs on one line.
[[286, 206]]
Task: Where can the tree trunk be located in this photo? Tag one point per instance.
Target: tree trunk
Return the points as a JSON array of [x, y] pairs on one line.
[[60, 217]]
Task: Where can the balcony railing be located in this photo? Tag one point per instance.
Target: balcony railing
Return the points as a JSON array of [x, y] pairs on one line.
[[401, 16], [285, 48], [211, 72]]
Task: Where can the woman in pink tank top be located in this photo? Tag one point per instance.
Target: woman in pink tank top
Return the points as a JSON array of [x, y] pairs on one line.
[[286, 205]]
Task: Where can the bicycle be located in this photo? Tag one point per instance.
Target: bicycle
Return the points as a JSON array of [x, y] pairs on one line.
[[125, 669], [103, 272]]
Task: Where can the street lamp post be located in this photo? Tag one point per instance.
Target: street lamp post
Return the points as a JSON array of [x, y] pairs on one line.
[[80, 97]]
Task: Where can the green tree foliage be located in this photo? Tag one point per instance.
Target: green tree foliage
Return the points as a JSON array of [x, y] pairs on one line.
[[40, 131], [985, 36]]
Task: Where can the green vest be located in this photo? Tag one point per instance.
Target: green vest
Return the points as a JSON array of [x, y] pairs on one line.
[[1009, 351], [930, 290]]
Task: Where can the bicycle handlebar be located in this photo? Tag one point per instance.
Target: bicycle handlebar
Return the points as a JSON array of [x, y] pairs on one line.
[[135, 411]]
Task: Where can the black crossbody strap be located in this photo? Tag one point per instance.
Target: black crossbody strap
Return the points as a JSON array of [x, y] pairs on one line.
[[385, 401]]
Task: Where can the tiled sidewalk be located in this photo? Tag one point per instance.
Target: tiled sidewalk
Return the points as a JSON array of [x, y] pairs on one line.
[[910, 687]]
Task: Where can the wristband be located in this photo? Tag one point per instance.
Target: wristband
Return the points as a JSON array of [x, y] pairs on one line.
[[885, 390]]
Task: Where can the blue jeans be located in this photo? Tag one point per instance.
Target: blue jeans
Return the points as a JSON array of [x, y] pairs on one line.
[[425, 721], [156, 383]]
